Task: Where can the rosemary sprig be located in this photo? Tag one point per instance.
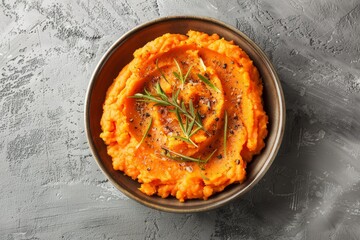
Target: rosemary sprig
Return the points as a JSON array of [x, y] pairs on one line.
[[207, 82], [192, 117], [161, 72], [161, 99], [146, 133], [180, 157], [188, 128], [179, 75], [225, 132]]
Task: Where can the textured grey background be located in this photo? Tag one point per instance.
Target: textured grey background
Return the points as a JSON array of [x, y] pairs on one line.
[[51, 188]]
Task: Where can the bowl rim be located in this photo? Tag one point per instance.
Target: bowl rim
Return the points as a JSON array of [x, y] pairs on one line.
[[279, 93]]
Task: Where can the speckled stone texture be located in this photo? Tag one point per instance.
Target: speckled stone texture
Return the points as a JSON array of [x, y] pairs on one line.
[[51, 187]]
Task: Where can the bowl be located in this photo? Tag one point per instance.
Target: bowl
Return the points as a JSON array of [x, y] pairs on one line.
[[121, 53]]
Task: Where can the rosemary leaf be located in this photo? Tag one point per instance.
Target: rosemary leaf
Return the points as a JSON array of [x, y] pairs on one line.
[[180, 157], [208, 158], [207, 82], [187, 73], [180, 120], [190, 127], [192, 142], [195, 131], [202, 166], [199, 119], [146, 133], [203, 176], [185, 129], [192, 112], [146, 98], [181, 138], [188, 140], [187, 124], [160, 92], [191, 108], [162, 74], [179, 75], [182, 104], [175, 96]]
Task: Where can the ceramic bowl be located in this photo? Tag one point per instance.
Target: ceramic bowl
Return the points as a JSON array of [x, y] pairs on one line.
[[121, 53]]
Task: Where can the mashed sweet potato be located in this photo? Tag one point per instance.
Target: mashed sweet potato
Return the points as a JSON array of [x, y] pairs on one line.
[[185, 116]]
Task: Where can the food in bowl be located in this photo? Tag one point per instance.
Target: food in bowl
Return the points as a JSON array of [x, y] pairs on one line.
[[185, 116]]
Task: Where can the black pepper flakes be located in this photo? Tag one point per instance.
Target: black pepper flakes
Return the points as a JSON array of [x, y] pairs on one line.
[[224, 66], [148, 169], [168, 129], [147, 115], [219, 156], [232, 131], [217, 119], [237, 161]]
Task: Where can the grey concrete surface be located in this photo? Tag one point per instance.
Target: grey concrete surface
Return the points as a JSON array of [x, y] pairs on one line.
[[51, 187]]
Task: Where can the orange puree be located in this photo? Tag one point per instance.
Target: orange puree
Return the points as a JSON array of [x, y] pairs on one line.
[[157, 154]]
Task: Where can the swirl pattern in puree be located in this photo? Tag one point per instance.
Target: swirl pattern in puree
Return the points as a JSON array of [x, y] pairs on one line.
[[140, 134]]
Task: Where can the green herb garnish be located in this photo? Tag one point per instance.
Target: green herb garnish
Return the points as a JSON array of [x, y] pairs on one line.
[[161, 72], [161, 99], [188, 118], [204, 177], [179, 75], [187, 129], [207, 82], [180, 157], [146, 133]]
